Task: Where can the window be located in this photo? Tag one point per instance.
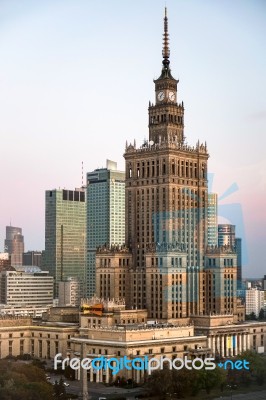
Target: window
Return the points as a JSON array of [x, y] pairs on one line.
[[21, 347], [10, 344]]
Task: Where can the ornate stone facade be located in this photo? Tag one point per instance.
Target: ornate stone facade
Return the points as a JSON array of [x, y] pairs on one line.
[[168, 270]]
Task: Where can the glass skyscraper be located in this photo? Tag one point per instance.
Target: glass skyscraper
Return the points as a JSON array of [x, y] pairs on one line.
[[65, 229], [105, 214]]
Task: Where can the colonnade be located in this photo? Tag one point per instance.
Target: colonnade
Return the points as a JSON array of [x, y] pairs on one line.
[[228, 344]]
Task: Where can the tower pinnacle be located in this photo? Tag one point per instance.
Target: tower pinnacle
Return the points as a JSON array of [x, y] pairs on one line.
[[166, 49]]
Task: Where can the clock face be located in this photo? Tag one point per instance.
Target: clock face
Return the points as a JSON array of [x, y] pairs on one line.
[[160, 96], [171, 96]]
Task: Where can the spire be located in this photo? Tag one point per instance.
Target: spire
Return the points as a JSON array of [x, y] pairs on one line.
[[166, 49]]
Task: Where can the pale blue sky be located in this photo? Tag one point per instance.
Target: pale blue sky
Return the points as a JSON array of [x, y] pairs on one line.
[[76, 77]]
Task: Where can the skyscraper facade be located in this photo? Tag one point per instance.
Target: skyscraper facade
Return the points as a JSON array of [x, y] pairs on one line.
[[167, 266], [33, 258], [166, 194], [105, 214], [226, 235], [14, 245], [65, 229], [238, 245], [212, 220]]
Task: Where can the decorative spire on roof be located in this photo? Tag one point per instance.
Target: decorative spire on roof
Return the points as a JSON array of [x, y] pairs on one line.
[[166, 49]]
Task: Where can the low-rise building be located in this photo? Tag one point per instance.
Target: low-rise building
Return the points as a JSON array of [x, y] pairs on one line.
[[108, 329], [21, 335], [21, 289]]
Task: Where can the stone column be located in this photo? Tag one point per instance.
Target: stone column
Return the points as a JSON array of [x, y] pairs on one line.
[[97, 374], [236, 349], [240, 343], [226, 346], [209, 342], [213, 345], [91, 375], [218, 345], [137, 376], [244, 342], [107, 374], [222, 345], [248, 342], [101, 375]]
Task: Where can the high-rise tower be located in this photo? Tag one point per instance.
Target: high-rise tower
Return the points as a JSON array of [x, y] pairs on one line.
[[65, 229], [166, 207], [105, 214], [14, 245]]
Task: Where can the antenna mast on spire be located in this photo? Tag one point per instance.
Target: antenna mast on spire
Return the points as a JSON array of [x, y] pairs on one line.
[[166, 49], [82, 173]]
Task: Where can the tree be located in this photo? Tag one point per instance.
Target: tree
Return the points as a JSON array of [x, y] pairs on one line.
[[23, 382], [160, 382], [60, 390], [257, 366], [251, 316], [261, 314]]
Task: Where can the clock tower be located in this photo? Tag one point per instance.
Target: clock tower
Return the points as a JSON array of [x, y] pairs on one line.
[[166, 116], [166, 208]]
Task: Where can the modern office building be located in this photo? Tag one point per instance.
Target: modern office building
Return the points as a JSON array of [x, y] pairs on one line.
[[32, 258], [65, 229], [69, 292], [226, 235], [212, 219], [20, 289], [14, 245], [105, 214]]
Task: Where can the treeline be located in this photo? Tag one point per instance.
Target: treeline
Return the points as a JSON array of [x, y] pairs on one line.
[[183, 383]]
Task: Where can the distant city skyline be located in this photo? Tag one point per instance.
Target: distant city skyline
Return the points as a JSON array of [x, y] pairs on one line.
[[62, 61]]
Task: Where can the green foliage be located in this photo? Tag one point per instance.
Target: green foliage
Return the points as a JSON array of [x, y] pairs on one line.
[[257, 367], [60, 390], [261, 314], [23, 381], [251, 316], [185, 382]]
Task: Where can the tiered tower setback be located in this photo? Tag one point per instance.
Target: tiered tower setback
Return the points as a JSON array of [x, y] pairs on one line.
[[166, 191]]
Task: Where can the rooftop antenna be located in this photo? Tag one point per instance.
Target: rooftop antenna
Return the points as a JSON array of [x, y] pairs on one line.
[[166, 49], [82, 173]]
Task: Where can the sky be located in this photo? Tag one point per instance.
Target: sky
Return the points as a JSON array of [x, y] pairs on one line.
[[76, 77]]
